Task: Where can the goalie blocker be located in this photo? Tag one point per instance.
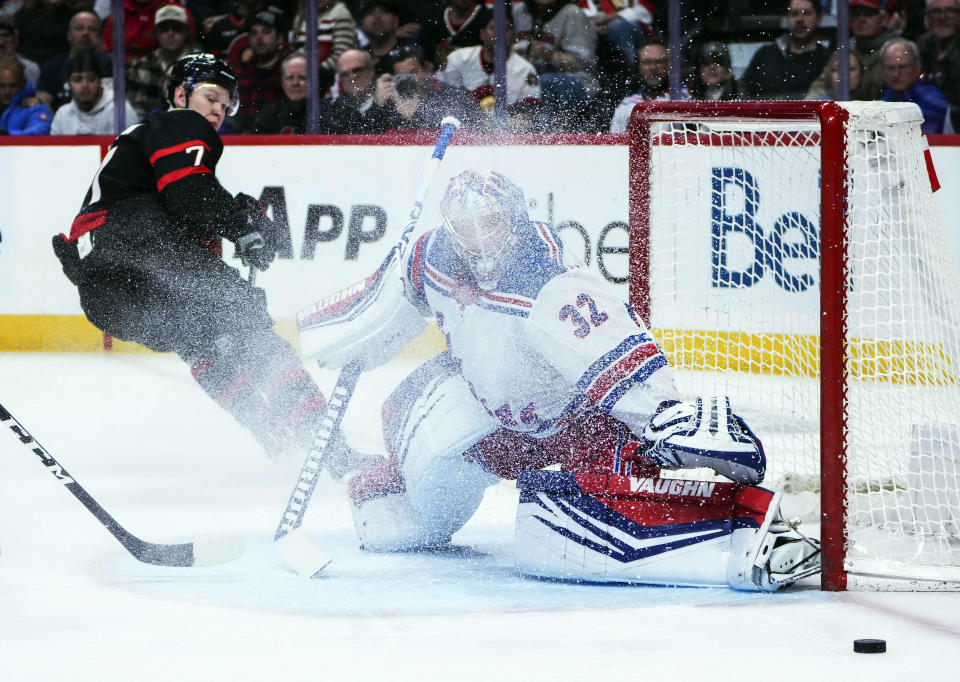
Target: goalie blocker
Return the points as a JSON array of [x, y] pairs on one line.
[[658, 531]]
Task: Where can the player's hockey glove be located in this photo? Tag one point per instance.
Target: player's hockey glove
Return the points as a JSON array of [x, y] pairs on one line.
[[704, 433], [255, 246]]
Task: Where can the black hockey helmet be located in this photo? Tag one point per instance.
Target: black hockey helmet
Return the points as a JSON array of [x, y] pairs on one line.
[[194, 69]]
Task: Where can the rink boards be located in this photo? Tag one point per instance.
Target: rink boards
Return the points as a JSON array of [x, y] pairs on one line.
[[342, 202]]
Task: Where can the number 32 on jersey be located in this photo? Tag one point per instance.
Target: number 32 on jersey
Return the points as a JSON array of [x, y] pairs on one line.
[[584, 316]]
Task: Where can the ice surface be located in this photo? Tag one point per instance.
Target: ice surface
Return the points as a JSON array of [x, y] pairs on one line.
[[159, 456]]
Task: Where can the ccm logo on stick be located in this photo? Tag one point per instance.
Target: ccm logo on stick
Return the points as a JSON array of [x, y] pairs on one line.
[[735, 203]]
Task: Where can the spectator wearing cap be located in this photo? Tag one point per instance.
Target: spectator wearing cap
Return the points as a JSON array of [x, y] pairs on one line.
[[9, 41], [472, 69], [940, 51], [349, 113], [413, 99], [20, 111], [459, 25], [868, 26], [139, 34], [336, 33], [785, 68], [83, 33], [712, 79], [42, 26], [287, 115], [146, 76], [259, 77], [831, 79], [901, 72], [91, 108]]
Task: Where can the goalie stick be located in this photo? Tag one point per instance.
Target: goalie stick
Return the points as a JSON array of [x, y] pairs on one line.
[[290, 542], [204, 552]]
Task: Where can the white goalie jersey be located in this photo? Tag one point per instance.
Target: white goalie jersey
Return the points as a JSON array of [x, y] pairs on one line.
[[557, 343]]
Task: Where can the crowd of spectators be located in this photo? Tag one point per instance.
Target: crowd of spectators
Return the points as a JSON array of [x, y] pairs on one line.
[[384, 65]]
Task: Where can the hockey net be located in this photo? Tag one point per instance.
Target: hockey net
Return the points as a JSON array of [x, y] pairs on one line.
[[791, 256]]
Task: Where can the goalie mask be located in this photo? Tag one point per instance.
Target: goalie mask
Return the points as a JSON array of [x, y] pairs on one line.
[[482, 211], [196, 70]]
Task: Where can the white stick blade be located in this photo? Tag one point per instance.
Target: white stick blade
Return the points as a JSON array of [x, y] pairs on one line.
[[216, 550], [300, 554]]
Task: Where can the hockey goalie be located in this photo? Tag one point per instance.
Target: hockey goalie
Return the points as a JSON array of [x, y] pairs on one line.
[[550, 379]]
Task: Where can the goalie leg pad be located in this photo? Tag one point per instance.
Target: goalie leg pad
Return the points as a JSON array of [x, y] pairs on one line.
[[644, 530], [433, 483]]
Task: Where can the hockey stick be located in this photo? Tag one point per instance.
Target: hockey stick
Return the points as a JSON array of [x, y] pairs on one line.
[[300, 554], [199, 553]]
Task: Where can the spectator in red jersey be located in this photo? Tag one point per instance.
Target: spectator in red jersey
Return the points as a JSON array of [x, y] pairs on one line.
[[225, 35], [42, 25], [458, 26], [259, 77], [138, 28], [83, 33]]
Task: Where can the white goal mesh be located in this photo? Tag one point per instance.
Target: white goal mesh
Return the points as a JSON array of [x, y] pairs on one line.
[[729, 235]]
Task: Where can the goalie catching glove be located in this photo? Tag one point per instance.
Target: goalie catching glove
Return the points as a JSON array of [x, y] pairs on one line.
[[704, 433], [255, 247]]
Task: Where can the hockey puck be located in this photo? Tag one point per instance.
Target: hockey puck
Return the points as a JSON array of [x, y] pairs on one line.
[[870, 646]]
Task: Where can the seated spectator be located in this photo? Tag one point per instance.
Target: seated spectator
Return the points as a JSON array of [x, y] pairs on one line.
[[138, 29], [336, 33], [654, 85], [22, 113], [412, 99], [8, 48], [42, 26], [901, 70], [471, 68], [91, 107], [225, 35], [458, 25], [557, 38], [83, 33], [146, 76], [785, 68], [831, 78], [712, 79], [940, 51], [626, 25], [259, 79], [288, 114], [868, 25], [348, 113], [379, 22]]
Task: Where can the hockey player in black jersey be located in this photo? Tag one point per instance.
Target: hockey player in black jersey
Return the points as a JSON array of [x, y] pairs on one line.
[[144, 254]]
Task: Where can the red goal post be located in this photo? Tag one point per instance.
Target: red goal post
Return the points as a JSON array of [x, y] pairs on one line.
[[790, 255]]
